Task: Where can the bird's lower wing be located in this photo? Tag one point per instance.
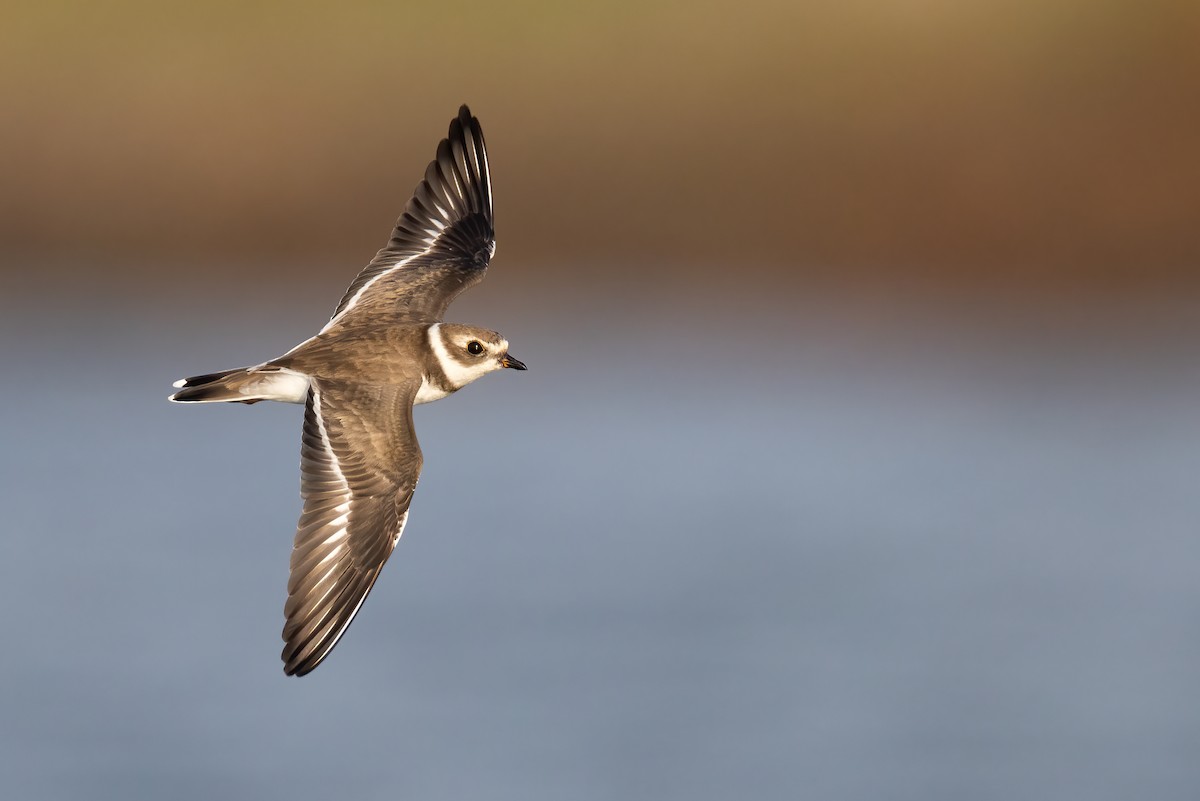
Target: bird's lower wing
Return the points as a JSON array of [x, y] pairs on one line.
[[359, 463]]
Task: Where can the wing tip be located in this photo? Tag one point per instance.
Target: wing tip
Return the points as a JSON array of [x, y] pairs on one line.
[[466, 121], [298, 668], [303, 656]]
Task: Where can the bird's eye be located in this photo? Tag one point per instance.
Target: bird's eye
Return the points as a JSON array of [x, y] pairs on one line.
[[474, 348]]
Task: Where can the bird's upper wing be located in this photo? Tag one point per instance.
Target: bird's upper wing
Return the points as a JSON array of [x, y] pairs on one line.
[[359, 463], [443, 241]]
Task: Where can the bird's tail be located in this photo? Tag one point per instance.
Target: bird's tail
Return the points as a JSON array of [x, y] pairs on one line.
[[243, 385]]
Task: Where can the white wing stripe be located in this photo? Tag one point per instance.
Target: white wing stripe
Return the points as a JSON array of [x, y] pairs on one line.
[[362, 289], [342, 508]]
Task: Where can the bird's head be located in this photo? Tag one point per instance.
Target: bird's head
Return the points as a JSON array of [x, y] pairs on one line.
[[466, 353]]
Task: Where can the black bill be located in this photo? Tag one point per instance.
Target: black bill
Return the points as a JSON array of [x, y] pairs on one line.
[[515, 364]]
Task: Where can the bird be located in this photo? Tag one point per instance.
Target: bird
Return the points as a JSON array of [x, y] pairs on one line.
[[385, 349]]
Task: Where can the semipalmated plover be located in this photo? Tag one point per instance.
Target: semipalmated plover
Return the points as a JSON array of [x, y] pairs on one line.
[[385, 349]]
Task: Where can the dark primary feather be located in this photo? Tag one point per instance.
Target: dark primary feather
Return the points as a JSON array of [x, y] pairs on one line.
[[446, 234], [359, 463]]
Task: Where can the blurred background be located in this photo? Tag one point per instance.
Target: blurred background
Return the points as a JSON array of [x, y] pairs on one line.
[[857, 456]]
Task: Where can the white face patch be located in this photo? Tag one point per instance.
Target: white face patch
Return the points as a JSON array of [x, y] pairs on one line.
[[457, 373]]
